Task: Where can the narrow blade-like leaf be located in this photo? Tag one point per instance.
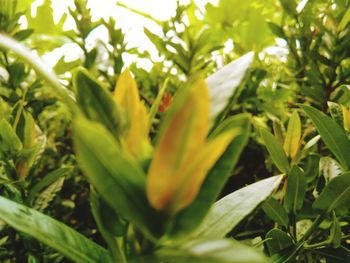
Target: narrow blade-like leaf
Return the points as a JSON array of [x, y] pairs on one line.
[[233, 208], [52, 233], [332, 135]]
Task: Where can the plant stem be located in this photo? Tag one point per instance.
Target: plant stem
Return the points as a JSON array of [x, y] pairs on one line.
[[40, 68]]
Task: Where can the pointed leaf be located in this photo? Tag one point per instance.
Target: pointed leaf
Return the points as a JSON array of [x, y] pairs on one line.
[[119, 181], [295, 191], [208, 251], [332, 135], [275, 150], [223, 83], [274, 210], [189, 218], [233, 208], [182, 135], [291, 143], [52, 233], [335, 196], [96, 102]]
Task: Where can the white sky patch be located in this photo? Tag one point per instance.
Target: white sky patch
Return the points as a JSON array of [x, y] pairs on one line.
[[132, 24]]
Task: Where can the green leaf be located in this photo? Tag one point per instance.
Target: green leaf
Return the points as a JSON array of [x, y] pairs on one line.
[[332, 135], [295, 191], [223, 83], [335, 196], [208, 251], [279, 241], [109, 224], [274, 210], [335, 233], [9, 141], [345, 20], [189, 218], [119, 181], [335, 255], [275, 150], [52, 233], [277, 30], [291, 143], [43, 22], [96, 102], [47, 181], [229, 211]]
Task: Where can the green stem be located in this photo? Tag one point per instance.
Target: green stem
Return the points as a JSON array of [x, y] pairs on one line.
[[312, 228], [40, 68]]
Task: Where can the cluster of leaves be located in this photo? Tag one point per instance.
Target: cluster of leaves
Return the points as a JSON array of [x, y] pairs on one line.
[[99, 166]]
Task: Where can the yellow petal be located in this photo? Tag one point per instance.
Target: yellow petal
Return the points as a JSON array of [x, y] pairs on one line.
[[346, 118], [291, 143], [180, 140]]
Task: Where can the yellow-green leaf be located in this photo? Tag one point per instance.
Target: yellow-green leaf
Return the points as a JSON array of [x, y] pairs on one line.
[[135, 140], [346, 118], [291, 143], [182, 136]]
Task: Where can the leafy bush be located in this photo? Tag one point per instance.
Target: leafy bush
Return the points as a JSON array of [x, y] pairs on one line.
[[189, 161]]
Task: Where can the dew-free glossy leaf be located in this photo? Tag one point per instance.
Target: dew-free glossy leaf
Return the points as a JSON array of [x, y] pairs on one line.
[[233, 208], [52, 233], [275, 150], [223, 83], [332, 135], [295, 191], [335, 196], [274, 210], [279, 240]]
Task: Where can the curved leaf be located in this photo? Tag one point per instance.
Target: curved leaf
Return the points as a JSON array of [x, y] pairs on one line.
[[233, 208], [189, 218], [223, 83], [119, 181], [275, 150], [332, 135], [52, 233], [335, 196]]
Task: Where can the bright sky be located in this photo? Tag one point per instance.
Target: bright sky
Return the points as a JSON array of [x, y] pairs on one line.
[[131, 23]]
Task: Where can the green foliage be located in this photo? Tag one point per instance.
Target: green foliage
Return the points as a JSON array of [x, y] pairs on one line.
[[85, 157]]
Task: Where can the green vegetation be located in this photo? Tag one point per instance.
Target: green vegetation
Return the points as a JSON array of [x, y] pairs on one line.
[[188, 161]]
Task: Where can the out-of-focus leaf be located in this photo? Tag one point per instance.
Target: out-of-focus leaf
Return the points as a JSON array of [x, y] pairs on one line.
[[208, 251], [233, 208], [96, 102], [345, 20], [223, 83], [189, 218], [335, 196], [332, 135], [274, 210], [120, 182], [275, 150], [52, 233]]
